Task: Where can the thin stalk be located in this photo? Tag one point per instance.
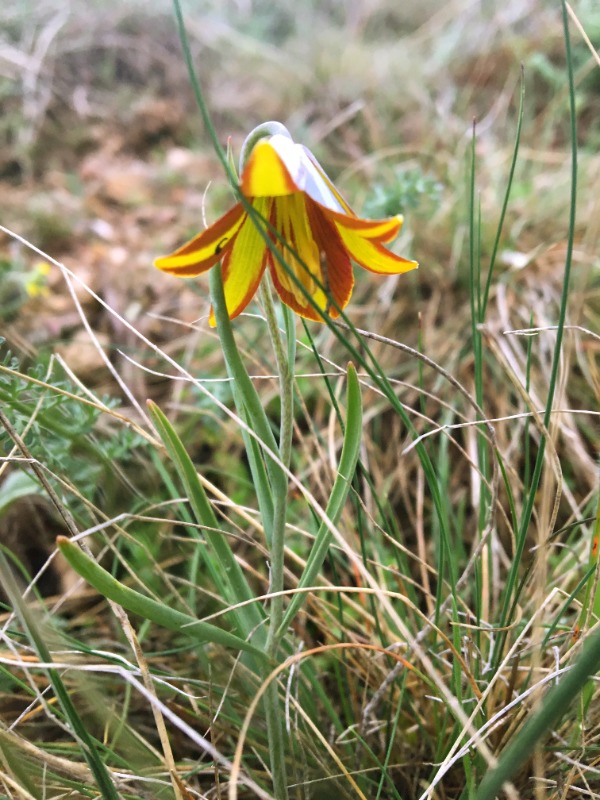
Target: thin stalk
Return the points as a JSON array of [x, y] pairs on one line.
[[555, 704], [272, 704], [278, 487], [89, 747], [285, 371], [509, 183], [560, 328], [199, 96]]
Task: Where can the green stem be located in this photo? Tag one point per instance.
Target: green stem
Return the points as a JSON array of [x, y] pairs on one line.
[[277, 741], [554, 705], [286, 385], [285, 369], [242, 385], [88, 745], [249, 402], [527, 514]]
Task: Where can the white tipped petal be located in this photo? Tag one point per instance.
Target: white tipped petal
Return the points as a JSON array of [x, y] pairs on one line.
[[306, 172]]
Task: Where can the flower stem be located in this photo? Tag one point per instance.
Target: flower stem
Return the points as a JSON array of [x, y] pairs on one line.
[[285, 369], [249, 406]]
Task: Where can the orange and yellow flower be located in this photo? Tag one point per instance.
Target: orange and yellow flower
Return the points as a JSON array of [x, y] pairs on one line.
[[318, 236]]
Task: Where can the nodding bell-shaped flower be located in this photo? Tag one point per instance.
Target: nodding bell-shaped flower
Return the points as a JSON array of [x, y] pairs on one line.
[[304, 217]]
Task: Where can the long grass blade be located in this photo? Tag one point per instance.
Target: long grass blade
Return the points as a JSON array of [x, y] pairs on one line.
[[341, 487], [556, 359], [553, 706], [228, 573], [89, 749], [145, 607]]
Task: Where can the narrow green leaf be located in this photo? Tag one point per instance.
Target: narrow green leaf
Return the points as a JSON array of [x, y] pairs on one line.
[[260, 482], [88, 747], [145, 607], [509, 183], [185, 468], [229, 574], [527, 513], [341, 487], [551, 709], [252, 405]]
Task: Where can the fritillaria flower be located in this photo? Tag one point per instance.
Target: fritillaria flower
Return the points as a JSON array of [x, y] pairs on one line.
[[309, 223]]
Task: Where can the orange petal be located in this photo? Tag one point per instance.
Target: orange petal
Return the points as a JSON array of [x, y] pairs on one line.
[[303, 307], [336, 265], [206, 249], [244, 264], [370, 254], [302, 257], [381, 230]]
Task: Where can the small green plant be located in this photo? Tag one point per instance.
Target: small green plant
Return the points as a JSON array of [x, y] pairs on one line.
[[19, 283], [61, 423], [403, 190]]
